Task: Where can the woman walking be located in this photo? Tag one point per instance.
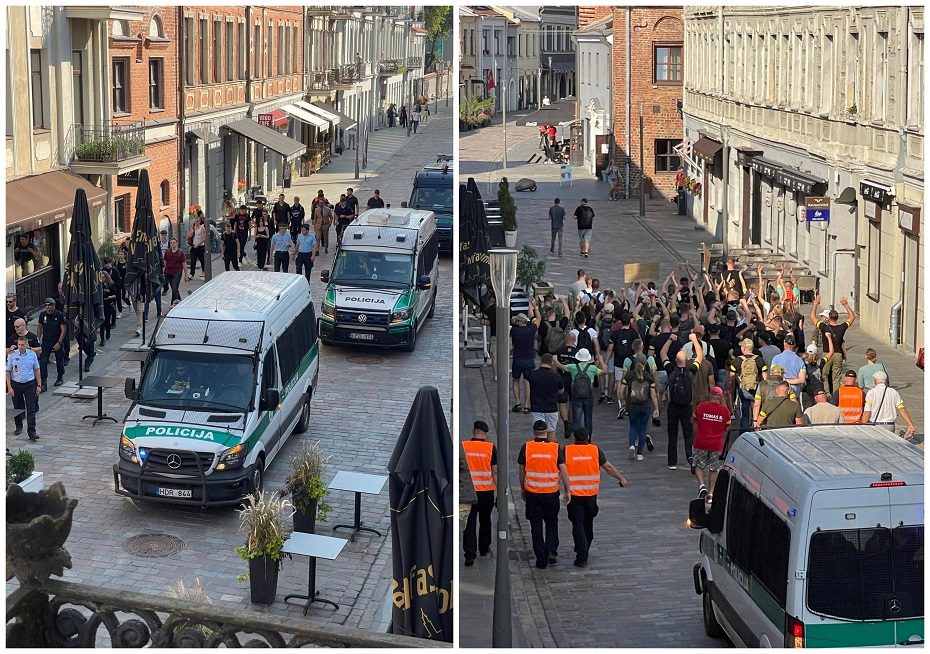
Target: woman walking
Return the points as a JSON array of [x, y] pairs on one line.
[[242, 231], [261, 240], [174, 268], [415, 118], [197, 238], [109, 307], [403, 115]]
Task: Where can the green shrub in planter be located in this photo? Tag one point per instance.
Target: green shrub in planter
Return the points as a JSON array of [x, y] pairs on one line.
[[530, 269], [508, 207], [19, 466]]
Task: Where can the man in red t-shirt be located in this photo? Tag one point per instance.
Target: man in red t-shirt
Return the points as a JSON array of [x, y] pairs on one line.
[[712, 418]]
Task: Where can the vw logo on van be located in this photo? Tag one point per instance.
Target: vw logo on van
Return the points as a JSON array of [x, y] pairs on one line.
[[362, 317], [173, 461]]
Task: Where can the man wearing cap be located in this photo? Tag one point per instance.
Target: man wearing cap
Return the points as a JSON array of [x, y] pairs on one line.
[[584, 461], [746, 373], [822, 413], [774, 376], [883, 404], [849, 399], [542, 466], [481, 457], [523, 339], [833, 369], [51, 333], [583, 393], [780, 410], [711, 418], [795, 371]]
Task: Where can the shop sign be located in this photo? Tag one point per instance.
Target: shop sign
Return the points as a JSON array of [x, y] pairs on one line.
[[875, 192], [128, 179], [818, 209], [264, 119], [909, 219], [764, 168]]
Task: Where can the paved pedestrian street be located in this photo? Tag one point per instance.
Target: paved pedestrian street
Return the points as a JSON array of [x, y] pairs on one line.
[[637, 590], [358, 411]]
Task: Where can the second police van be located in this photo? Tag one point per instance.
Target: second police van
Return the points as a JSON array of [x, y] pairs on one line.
[[432, 191]]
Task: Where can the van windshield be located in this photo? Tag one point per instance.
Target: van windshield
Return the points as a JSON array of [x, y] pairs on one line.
[[432, 198], [198, 381], [867, 574], [374, 269]]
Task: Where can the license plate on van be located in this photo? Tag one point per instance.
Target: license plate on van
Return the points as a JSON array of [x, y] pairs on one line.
[[361, 336], [173, 492]]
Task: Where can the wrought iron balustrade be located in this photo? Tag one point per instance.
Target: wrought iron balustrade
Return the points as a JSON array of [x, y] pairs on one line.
[[108, 143]]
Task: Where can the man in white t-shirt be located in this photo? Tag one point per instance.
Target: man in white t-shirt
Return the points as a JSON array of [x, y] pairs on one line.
[[883, 404], [575, 288]]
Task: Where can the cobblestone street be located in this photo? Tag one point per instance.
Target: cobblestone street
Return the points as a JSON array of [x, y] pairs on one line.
[[358, 410]]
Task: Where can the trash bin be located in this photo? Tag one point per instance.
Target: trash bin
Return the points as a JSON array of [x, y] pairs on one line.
[[682, 202]]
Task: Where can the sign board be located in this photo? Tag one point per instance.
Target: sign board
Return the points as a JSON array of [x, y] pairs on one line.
[[128, 179], [565, 174], [605, 148], [875, 192], [640, 272], [818, 209], [909, 219], [264, 119]]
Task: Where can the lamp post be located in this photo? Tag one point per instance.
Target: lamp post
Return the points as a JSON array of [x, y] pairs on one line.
[[506, 93], [358, 125], [642, 171], [503, 277]]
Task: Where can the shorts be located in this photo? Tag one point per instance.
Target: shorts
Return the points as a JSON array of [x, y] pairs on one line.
[[707, 460], [551, 419], [661, 383], [584, 235], [521, 367], [610, 366]]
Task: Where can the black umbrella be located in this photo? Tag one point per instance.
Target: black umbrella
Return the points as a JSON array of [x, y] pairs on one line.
[[475, 263], [145, 274], [84, 293], [421, 522]]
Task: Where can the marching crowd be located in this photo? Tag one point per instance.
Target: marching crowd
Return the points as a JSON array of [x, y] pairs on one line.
[[712, 356]]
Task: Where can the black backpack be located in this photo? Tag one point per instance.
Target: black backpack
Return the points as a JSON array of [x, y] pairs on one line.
[[603, 336], [584, 340], [581, 384], [680, 387], [623, 345]]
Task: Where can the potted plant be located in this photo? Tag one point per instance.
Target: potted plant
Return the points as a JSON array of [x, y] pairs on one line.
[[195, 631], [262, 520], [305, 488], [508, 212], [20, 470], [530, 271]]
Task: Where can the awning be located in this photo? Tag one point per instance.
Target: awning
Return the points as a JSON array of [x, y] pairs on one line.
[[283, 145], [765, 167], [278, 118], [797, 180], [561, 66], [331, 118], [204, 134], [707, 149], [305, 116], [46, 199], [557, 113], [344, 121]]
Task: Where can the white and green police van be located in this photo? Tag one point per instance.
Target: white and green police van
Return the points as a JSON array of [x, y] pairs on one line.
[[382, 288], [229, 376], [815, 539]]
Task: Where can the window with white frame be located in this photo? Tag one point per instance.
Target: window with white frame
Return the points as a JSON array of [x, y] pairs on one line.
[[156, 83], [915, 80], [880, 77], [120, 84], [874, 244], [827, 74]]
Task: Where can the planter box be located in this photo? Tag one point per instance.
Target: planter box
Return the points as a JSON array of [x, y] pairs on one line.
[[542, 289], [33, 483]]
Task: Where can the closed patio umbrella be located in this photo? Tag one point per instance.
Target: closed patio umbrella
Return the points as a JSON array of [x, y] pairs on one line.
[[83, 291], [145, 273]]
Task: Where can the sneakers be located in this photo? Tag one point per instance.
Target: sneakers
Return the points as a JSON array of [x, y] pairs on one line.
[[581, 563], [469, 563], [649, 444], [553, 559], [702, 491], [709, 499], [632, 452], [640, 457], [59, 381], [621, 412], [138, 332], [18, 431], [611, 400], [600, 400], [120, 314], [673, 467]]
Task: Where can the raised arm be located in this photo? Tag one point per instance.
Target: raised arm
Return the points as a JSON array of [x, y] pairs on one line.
[[849, 310], [814, 308]]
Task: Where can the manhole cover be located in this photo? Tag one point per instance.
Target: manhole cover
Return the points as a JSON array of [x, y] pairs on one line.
[[364, 360], [153, 546]]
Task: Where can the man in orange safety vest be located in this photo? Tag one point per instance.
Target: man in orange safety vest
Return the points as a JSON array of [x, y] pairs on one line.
[[481, 457], [542, 465]]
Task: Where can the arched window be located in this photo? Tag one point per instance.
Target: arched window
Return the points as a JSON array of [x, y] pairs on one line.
[[156, 31], [120, 28], [165, 193]]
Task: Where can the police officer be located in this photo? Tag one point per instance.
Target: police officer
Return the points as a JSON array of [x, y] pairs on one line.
[[51, 333], [24, 383], [584, 461], [481, 457], [542, 464]]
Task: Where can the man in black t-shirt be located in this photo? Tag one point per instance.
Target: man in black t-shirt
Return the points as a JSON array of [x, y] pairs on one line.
[[375, 201], [51, 333], [833, 368], [545, 386], [230, 247], [352, 202], [523, 337], [12, 312], [584, 215], [566, 356], [297, 215], [281, 212], [344, 216]]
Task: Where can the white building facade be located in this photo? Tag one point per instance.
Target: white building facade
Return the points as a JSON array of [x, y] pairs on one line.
[[594, 47]]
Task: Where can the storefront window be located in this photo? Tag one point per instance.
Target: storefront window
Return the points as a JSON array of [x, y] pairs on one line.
[[30, 253]]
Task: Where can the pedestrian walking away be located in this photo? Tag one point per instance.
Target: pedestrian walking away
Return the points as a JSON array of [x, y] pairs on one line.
[[583, 374], [545, 385], [281, 245], [638, 393], [780, 410], [51, 334], [557, 224], [306, 252], [24, 384], [712, 418], [883, 404], [481, 458], [822, 412], [583, 462], [850, 399], [584, 215], [542, 466], [833, 368], [523, 337]]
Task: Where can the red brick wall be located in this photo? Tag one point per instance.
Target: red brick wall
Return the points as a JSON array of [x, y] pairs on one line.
[[587, 15], [650, 26]]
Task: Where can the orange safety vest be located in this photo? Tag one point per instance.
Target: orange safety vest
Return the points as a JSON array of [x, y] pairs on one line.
[[584, 473], [478, 458], [542, 467], [851, 400]]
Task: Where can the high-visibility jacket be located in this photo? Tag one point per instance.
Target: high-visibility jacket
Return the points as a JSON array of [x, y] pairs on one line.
[[584, 473], [851, 400], [478, 458], [542, 467]]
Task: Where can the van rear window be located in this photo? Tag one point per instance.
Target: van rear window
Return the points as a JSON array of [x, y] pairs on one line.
[[867, 574]]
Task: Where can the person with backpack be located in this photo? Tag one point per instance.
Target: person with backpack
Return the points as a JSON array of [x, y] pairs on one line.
[[638, 392], [585, 337], [583, 374], [523, 337], [603, 342], [681, 375], [746, 374], [621, 348], [566, 356]]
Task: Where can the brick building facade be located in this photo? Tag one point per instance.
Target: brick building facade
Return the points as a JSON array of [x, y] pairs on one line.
[[648, 74], [588, 15]]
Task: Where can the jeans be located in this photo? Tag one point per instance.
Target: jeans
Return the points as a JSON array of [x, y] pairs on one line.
[[543, 508], [583, 413], [304, 264], [47, 353], [556, 232], [679, 414], [281, 261], [745, 407], [415, 123], [479, 516], [174, 281], [24, 397], [639, 419], [243, 239], [581, 511]]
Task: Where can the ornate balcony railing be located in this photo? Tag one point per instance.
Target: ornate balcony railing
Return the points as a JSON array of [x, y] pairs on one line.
[[110, 143], [350, 73], [322, 80], [390, 66], [414, 62]]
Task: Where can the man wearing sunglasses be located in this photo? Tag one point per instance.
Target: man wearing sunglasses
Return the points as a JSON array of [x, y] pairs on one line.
[[13, 312]]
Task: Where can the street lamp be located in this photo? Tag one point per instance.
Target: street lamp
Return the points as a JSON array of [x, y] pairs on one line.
[[506, 93], [503, 277], [358, 125]]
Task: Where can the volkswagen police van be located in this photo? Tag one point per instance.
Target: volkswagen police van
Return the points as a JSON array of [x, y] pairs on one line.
[[382, 287], [815, 539], [432, 190], [229, 376]]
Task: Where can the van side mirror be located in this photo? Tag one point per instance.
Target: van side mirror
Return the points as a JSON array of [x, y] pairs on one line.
[[324, 276], [129, 389], [271, 399], [697, 516], [424, 283]]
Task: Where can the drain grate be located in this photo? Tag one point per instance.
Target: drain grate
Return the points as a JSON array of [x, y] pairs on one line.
[[364, 360], [153, 546]]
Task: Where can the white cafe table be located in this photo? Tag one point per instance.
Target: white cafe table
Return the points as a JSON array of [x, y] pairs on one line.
[[358, 483], [315, 547]]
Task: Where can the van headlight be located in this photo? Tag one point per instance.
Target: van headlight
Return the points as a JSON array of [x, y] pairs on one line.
[[329, 310], [127, 450], [401, 316], [233, 457]]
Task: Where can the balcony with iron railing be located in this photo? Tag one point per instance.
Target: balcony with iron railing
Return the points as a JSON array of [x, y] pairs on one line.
[[328, 10], [390, 66], [111, 149], [323, 79], [414, 62], [349, 74]]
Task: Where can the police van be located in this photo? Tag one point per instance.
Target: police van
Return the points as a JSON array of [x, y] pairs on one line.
[[229, 376], [382, 287], [432, 190], [815, 539]]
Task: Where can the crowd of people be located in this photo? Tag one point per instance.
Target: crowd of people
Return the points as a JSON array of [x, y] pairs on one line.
[[420, 112]]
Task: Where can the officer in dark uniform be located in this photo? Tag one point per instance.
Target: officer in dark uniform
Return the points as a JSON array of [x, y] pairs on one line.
[[51, 333]]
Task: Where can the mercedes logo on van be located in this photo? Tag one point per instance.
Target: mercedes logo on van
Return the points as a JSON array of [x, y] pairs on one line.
[[362, 317], [173, 461], [894, 606]]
